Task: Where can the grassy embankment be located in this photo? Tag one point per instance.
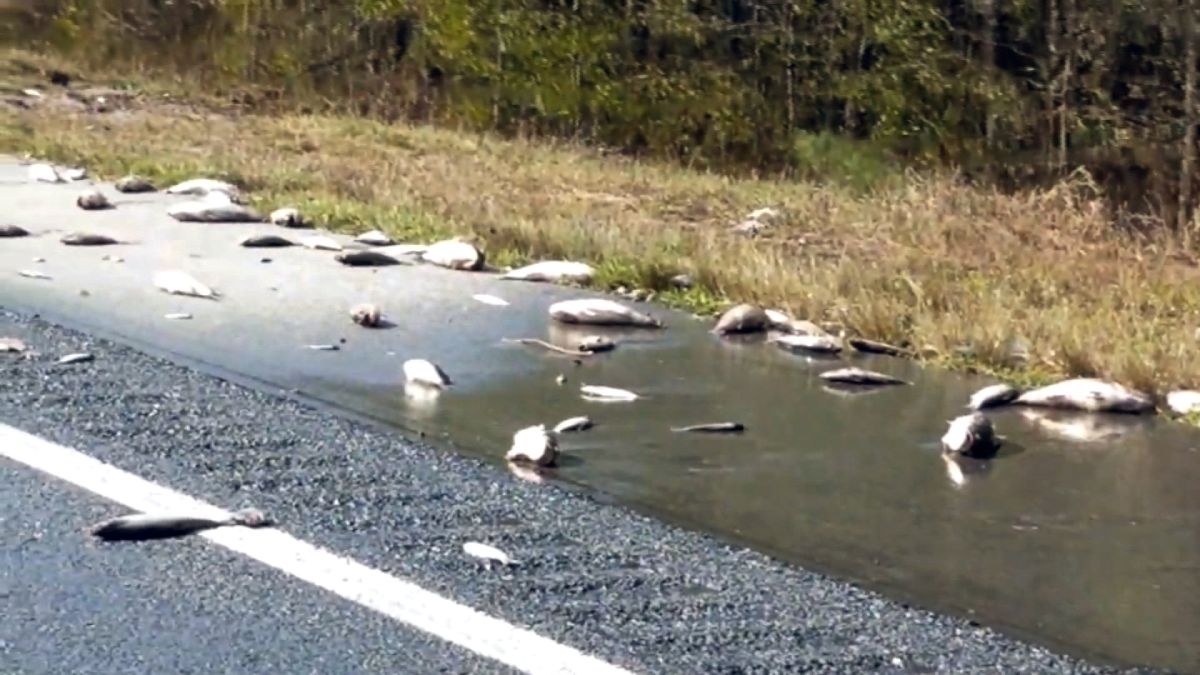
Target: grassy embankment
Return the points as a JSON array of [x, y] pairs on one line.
[[931, 263]]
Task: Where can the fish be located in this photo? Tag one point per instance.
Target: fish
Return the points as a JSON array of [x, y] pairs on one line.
[[534, 445], [366, 314], [78, 173], [595, 343], [600, 312], [134, 184], [859, 376], [320, 243], [490, 300], [599, 392], [32, 93], [713, 428], [203, 187], [324, 348], [743, 318], [560, 380], [44, 173], [287, 217], [214, 207], [992, 396], [12, 231], [178, 316], [365, 259], [265, 241], [971, 436], [400, 250], [81, 357], [1180, 401], [93, 200], [420, 371], [780, 321], [581, 423], [11, 345], [87, 239], [33, 274], [178, 282], [875, 347], [146, 526], [374, 238], [1088, 394], [553, 271], [821, 344], [454, 254], [488, 553]]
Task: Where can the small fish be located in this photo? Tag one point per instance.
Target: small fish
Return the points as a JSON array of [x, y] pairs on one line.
[[32, 93], [599, 392], [178, 282], [859, 376], [454, 254], [713, 428], [324, 348], [32, 274], [87, 239], [365, 259], [11, 345], [489, 553], [145, 526], [992, 396], [876, 347], [75, 174], [12, 231], [214, 207], [80, 357], [581, 423], [490, 299], [553, 271], [366, 314], [287, 217], [534, 445], [203, 186], [374, 238], [420, 371], [560, 380], [600, 312], [742, 318], [134, 184], [265, 241], [319, 243], [44, 173], [820, 344], [178, 316], [93, 200]]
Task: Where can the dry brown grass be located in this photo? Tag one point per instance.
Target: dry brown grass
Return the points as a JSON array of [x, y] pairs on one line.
[[934, 264]]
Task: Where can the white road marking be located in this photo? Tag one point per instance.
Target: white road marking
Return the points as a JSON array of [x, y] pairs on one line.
[[401, 600]]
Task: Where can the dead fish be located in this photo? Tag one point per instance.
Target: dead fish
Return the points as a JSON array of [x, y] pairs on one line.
[[581, 423], [1090, 395], [44, 173], [134, 184], [821, 344], [178, 282], [553, 271], [145, 526], [744, 318], [971, 436], [992, 396], [595, 343], [600, 312], [366, 314], [859, 376], [324, 348], [490, 300], [78, 173], [401, 250], [1180, 401], [875, 347], [32, 274], [488, 553], [12, 231], [534, 445], [87, 239], [560, 380], [93, 200], [214, 207], [178, 316], [713, 428], [365, 259], [32, 93], [602, 393], [420, 371], [374, 238], [265, 241], [454, 254], [320, 243], [204, 186], [11, 345], [287, 217], [81, 357]]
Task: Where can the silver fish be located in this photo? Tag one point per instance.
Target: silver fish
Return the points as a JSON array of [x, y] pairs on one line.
[[581, 423], [859, 376], [80, 357], [992, 396], [144, 526], [87, 239], [133, 184], [713, 428], [12, 231], [744, 318]]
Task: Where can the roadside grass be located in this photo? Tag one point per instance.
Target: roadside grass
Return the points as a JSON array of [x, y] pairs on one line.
[[956, 272]]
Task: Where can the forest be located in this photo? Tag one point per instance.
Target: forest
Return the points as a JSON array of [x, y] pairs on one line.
[[1013, 92]]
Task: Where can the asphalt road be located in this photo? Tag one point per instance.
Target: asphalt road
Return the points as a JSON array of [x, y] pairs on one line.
[[597, 577]]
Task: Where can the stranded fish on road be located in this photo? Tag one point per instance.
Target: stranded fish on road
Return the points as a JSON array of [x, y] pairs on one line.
[[1088, 394], [581, 423], [33, 274], [742, 318], [44, 173], [12, 231], [820, 344], [146, 526], [178, 316], [87, 239], [78, 173], [490, 300], [265, 241], [366, 314], [600, 312], [287, 217], [93, 200], [324, 348], [320, 243], [454, 254], [859, 376], [203, 187], [420, 371], [487, 553], [81, 357], [534, 445], [972, 436], [134, 184], [178, 282], [602, 393], [365, 259], [553, 271], [713, 428], [992, 396], [374, 238], [213, 207]]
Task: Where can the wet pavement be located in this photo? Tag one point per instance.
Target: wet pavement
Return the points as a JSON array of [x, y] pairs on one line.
[[1084, 534]]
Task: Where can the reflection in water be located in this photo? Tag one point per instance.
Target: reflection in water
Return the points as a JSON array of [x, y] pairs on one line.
[[529, 474], [422, 400], [1081, 427], [963, 470]]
